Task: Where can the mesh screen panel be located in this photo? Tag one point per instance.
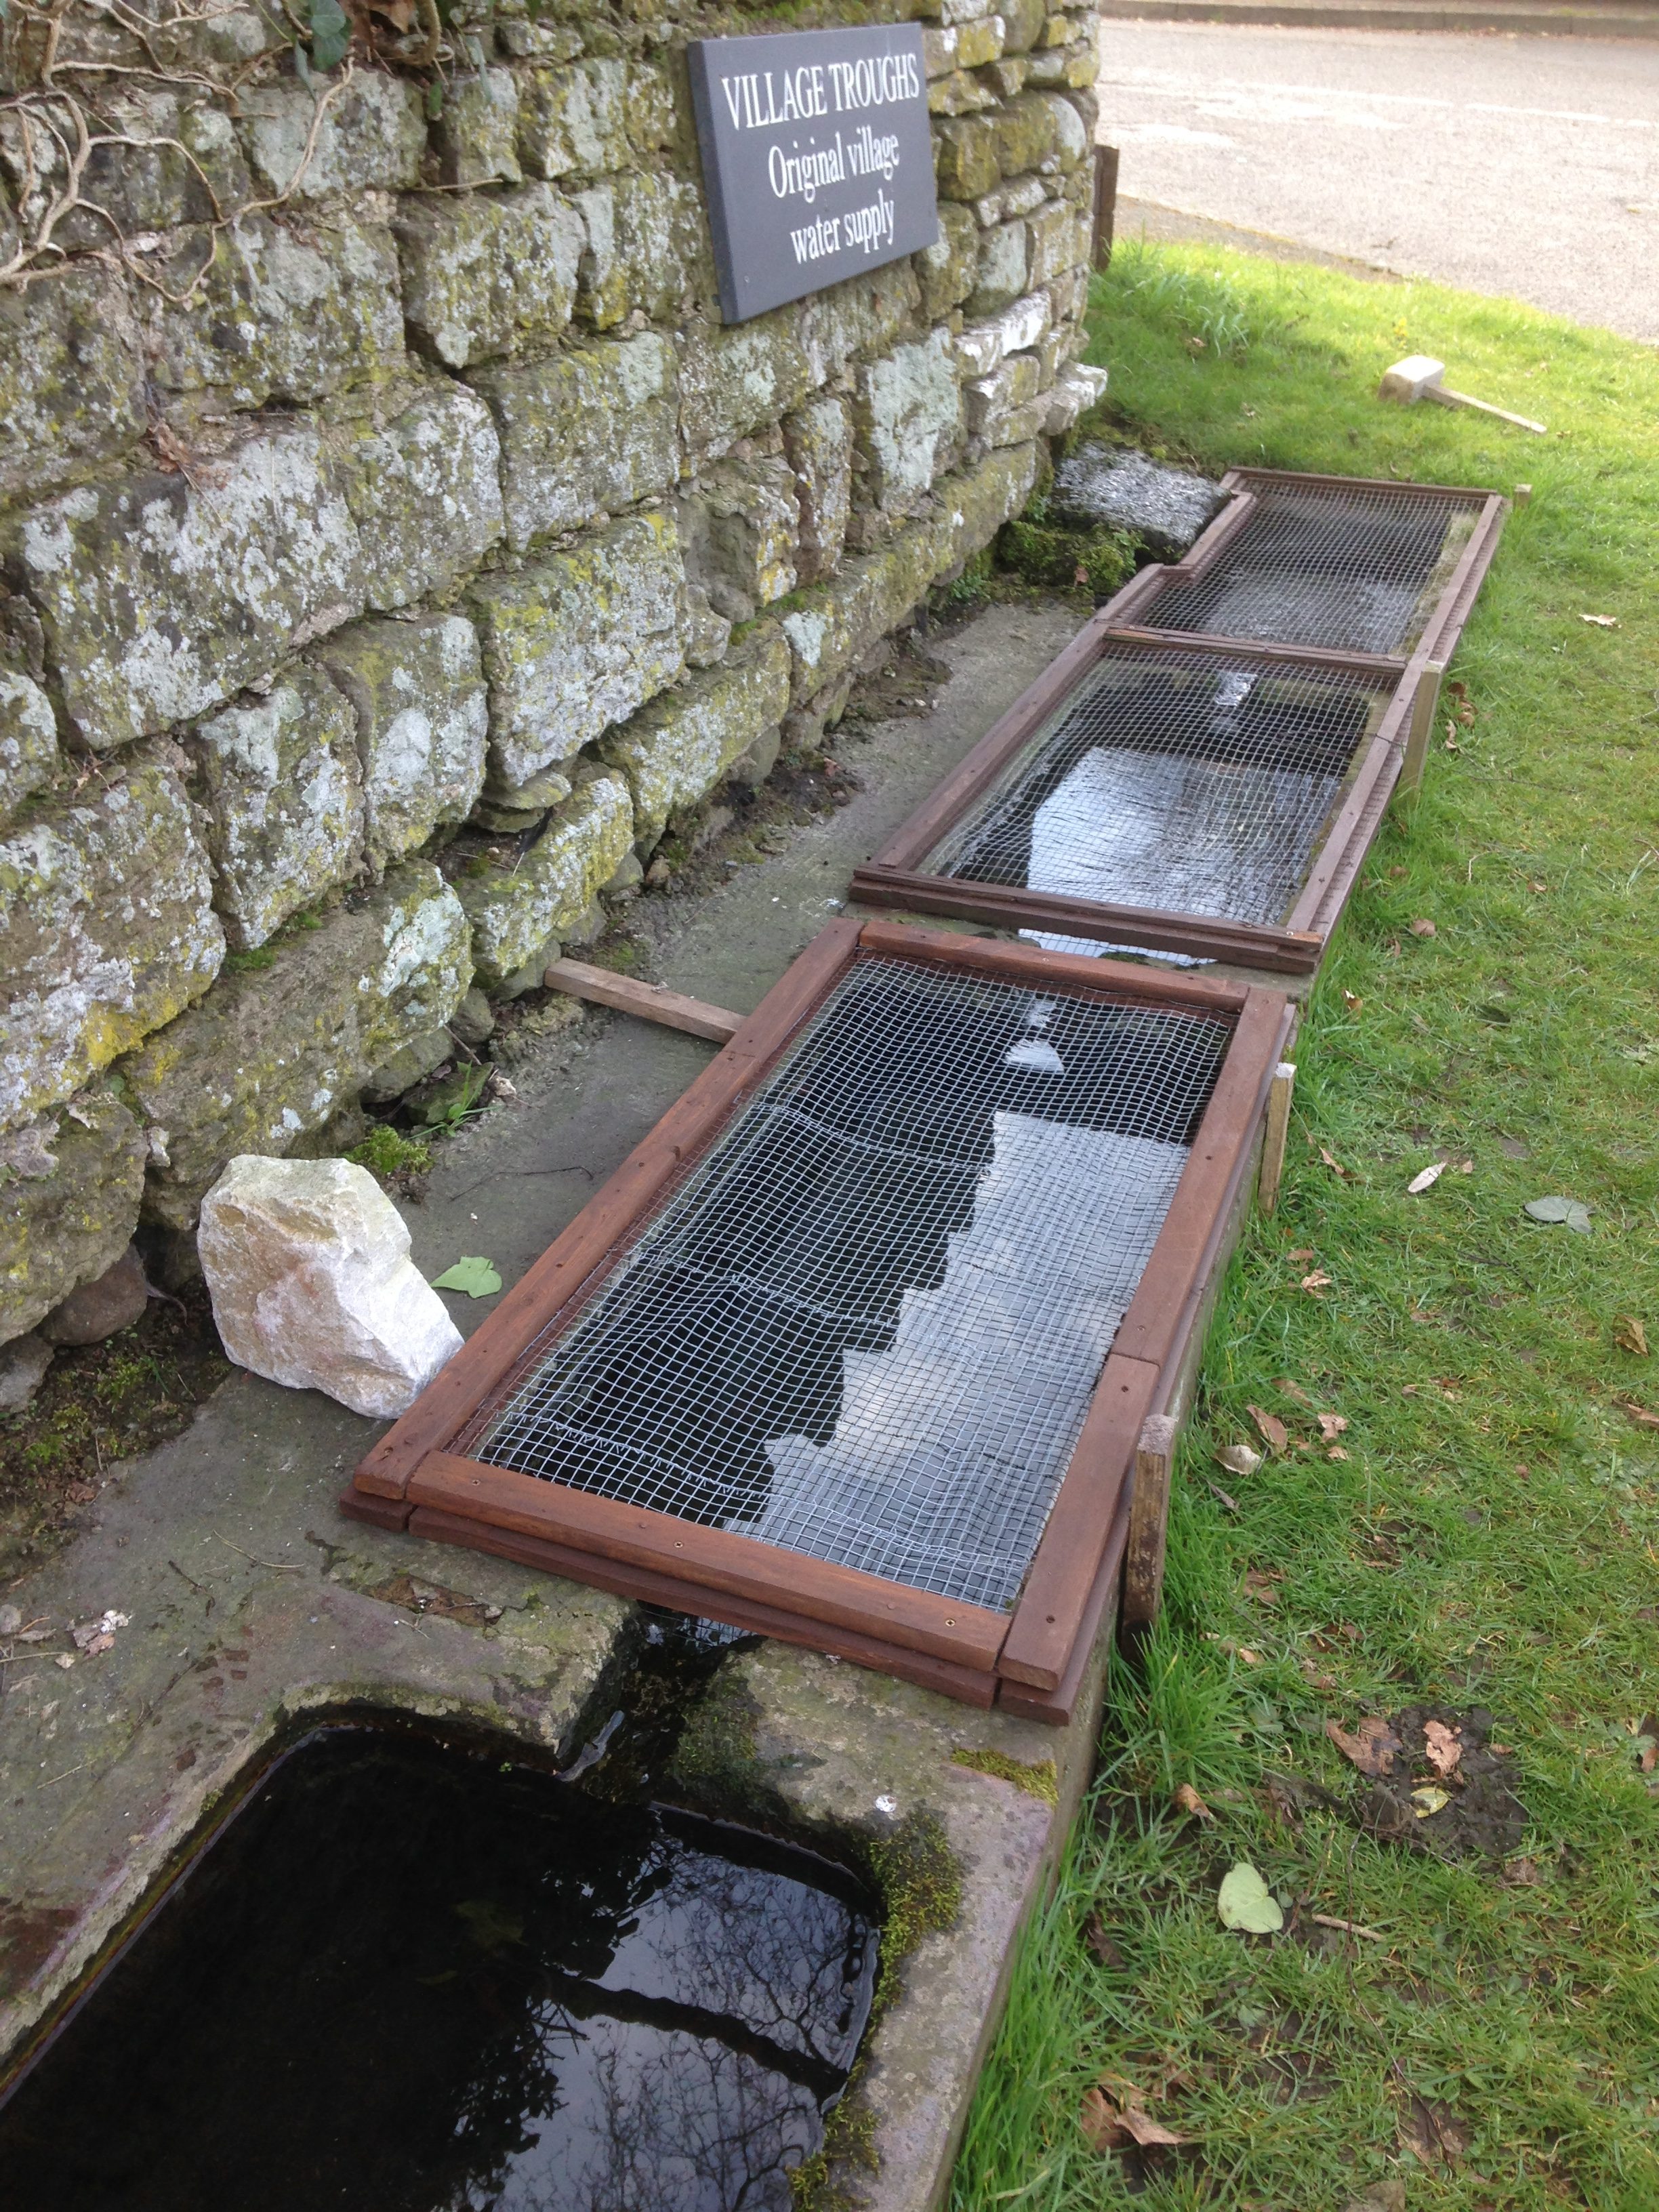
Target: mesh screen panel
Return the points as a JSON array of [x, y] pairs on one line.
[[866, 1325], [1358, 570], [1190, 782]]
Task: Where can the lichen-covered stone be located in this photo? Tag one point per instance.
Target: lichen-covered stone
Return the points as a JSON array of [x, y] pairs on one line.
[[485, 273], [818, 441], [1076, 389], [1026, 132], [1005, 257], [998, 403], [574, 121], [1071, 135], [959, 94], [270, 1056], [862, 315], [732, 381], [753, 512], [285, 801], [1023, 22], [280, 314], [372, 137], [477, 135], [163, 596], [416, 691], [909, 414], [106, 928], [980, 346], [675, 750], [71, 380], [158, 159], [1059, 240], [946, 269], [69, 1220], [837, 622], [515, 911], [976, 501], [425, 493], [591, 430], [634, 259], [580, 641], [965, 157], [28, 741]]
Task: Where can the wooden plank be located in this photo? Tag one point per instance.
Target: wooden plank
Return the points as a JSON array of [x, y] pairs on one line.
[[652, 1002], [449, 1401], [972, 1686], [1207, 548], [1445, 626], [1055, 1707], [1030, 963], [1335, 858], [1278, 1130], [1105, 207], [714, 1559], [1149, 1521], [1049, 1619], [1388, 665], [377, 1512], [1175, 1273], [1465, 495], [1425, 701], [1203, 937]]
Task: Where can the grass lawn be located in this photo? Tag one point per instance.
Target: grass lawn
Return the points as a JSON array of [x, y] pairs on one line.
[[1481, 1537]]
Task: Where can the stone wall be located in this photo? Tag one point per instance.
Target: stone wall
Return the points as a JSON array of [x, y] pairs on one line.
[[394, 542]]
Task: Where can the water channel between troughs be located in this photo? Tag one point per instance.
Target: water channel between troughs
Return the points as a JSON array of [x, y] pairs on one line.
[[408, 1977]]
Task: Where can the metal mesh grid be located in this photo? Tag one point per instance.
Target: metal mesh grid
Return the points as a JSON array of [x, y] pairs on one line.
[[1189, 782], [866, 1325], [1316, 564]]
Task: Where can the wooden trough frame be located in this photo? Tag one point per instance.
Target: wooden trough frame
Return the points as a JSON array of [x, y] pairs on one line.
[[1030, 1660]]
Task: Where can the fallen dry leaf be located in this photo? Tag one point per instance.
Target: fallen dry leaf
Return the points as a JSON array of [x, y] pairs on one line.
[[1523, 1874], [1317, 1282], [1425, 1179], [1441, 1747], [1429, 1799], [1335, 1166], [1331, 1426], [1601, 621], [1353, 1003], [1258, 1584], [1371, 1747], [1271, 1428], [1113, 2115], [1650, 1758], [1095, 1936], [1293, 1389], [1639, 1414], [1231, 1504], [1302, 1252], [1336, 1452], [1629, 1335], [1238, 1459], [1423, 927], [1186, 1799]]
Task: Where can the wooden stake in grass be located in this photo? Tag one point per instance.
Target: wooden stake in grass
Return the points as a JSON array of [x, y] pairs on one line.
[[1274, 1139]]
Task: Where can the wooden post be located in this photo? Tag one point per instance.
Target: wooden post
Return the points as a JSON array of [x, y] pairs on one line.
[[1424, 705], [1278, 1129], [1149, 1527], [1100, 251]]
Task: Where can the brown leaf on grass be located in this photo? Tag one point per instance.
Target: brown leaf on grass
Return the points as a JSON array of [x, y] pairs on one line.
[[1336, 1452], [1353, 1003], [1317, 1282], [1650, 1758], [1271, 1428], [1238, 1459], [1335, 1166], [1186, 1799], [1441, 1746], [1331, 1426], [1423, 926], [1302, 1252], [1113, 2115], [1231, 1504], [1258, 1584], [1425, 1179], [1293, 1389], [1629, 1335], [1601, 621], [1371, 1747], [1095, 1936], [1639, 1414]]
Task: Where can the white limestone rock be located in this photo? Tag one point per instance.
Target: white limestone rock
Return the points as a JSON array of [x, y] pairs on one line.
[[307, 1265]]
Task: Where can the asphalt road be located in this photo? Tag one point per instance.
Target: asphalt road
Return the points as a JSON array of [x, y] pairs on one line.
[[1519, 166]]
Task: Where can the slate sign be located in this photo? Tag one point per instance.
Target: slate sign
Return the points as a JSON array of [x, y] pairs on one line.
[[817, 158]]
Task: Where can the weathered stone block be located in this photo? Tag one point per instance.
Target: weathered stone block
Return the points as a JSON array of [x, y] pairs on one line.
[[976, 501], [161, 597], [580, 641], [158, 159], [959, 94], [651, 119], [908, 415], [1059, 239], [270, 1056], [1002, 408], [372, 137], [69, 1218], [28, 741], [677, 748], [939, 52], [285, 801], [71, 380], [1023, 22], [980, 41], [1005, 257], [861, 315], [425, 493], [589, 431], [279, 314], [107, 929], [1026, 133], [1082, 68], [753, 514], [515, 911], [946, 269], [485, 273], [1077, 389], [634, 259], [839, 621], [416, 692], [1071, 134], [980, 346], [818, 441], [574, 121], [732, 381], [966, 163], [477, 135]]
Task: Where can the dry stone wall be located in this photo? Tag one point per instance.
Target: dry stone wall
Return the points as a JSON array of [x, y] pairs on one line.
[[393, 543]]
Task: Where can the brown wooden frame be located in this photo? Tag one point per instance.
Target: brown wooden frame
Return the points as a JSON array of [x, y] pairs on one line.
[[418, 1477], [894, 877]]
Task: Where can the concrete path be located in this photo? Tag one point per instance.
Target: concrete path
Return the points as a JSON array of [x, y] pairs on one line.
[[1522, 167]]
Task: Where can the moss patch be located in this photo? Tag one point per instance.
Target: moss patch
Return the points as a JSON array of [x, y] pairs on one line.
[[1044, 553], [1039, 1779]]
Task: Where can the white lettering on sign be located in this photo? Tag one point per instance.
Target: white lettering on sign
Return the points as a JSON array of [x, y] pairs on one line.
[[760, 100]]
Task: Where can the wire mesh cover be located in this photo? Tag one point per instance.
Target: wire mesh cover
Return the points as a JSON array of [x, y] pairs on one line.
[[1316, 564], [1189, 782], [868, 1325]]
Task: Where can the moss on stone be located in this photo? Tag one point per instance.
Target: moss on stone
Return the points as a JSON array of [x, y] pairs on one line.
[[1040, 1778], [715, 1757], [1044, 553]]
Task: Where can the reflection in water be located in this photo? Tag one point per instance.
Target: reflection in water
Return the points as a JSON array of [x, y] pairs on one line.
[[407, 1980]]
